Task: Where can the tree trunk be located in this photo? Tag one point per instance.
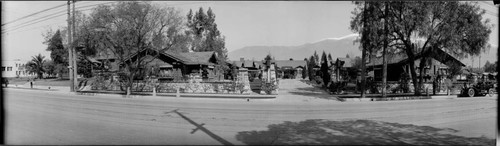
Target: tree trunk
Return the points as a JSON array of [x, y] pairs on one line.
[[414, 78], [411, 58], [384, 58], [421, 71], [40, 75], [130, 83]]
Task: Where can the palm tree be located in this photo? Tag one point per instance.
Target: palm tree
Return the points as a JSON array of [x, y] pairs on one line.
[[36, 65]]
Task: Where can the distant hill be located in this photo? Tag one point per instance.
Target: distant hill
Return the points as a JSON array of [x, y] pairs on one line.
[[336, 47]]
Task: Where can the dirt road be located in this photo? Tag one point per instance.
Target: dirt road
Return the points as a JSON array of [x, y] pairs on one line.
[[44, 117]]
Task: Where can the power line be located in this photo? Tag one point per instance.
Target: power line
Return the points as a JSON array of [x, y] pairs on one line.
[[30, 15], [62, 11], [490, 4], [54, 15], [45, 25], [35, 28], [492, 14], [32, 23]]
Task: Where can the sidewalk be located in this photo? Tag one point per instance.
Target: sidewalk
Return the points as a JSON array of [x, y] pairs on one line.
[[39, 87]]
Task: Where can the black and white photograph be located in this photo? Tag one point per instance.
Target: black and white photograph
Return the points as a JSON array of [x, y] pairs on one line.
[[249, 72]]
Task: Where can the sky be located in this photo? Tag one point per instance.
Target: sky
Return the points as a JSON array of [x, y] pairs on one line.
[[250, 23]]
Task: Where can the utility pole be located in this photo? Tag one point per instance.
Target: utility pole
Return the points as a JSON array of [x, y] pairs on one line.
[[363, 55], [384, 54], [75, 55], [70, 51]]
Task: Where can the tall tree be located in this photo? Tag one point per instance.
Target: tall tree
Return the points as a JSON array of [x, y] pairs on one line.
[[58, 53], [205, 36], [324, 70], [316, 58], [418, 27], [127, 28], [310, 68], [305, 69], [36, 65], [490, 67], [330, 59], [50, 67]]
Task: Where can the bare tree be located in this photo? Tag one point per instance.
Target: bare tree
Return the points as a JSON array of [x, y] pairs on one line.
[[129, 28]]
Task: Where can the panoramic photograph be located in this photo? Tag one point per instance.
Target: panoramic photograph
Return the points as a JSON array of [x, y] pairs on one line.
[[249, 72]]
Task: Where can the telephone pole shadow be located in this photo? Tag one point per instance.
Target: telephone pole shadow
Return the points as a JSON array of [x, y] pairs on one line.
[[200, 127]]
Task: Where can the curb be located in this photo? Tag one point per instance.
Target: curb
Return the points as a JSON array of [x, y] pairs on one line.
[[188, 95], [398, 98]]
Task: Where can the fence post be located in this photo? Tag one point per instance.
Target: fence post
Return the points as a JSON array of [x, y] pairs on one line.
[[154, 91], [177, 94], [128, 91]]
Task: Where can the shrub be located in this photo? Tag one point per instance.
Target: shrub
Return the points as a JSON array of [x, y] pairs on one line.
[[216, 88], [269, 87], [240, 86], [230, 87], [206, 87], [337, 87], [318, 80]]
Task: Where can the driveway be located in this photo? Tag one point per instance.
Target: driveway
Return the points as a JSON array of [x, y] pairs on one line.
[[298, 89]]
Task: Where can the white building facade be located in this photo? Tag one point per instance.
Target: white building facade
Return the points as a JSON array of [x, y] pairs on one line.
[[15, 68]]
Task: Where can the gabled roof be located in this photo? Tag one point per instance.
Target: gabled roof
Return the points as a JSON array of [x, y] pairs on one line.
[[104, 54], [248, 64], [391, 59], [198, 57], [291, 63], [188, 58], [402, 58], [157, 62], [348, 62]]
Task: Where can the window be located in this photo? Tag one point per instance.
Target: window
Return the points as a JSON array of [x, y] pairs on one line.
[[9, 68], [3, 68]]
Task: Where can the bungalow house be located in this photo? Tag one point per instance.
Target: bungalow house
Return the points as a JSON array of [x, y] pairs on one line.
[[253, 67], [290, 69], [346, 71], [398, 64], [166, 64], [104, 61]]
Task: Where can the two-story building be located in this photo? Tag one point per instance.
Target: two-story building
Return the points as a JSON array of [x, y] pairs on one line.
[[15, 68]]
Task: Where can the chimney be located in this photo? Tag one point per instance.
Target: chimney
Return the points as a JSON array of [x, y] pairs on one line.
[[242, 59]]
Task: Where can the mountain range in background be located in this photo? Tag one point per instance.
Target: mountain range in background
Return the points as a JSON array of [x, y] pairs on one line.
[[337, 47]]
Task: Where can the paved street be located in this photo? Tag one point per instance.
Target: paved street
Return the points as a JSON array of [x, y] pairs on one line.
[[50, 117]]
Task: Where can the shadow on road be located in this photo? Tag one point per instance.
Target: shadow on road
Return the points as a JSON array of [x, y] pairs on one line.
[[200, 127], [313, 92], [356, 132]]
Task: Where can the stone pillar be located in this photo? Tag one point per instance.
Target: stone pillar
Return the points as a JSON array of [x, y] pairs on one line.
[[243, 78]]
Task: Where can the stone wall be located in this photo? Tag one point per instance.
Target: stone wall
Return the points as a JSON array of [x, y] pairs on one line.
[[193, 86], [204, 87]]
